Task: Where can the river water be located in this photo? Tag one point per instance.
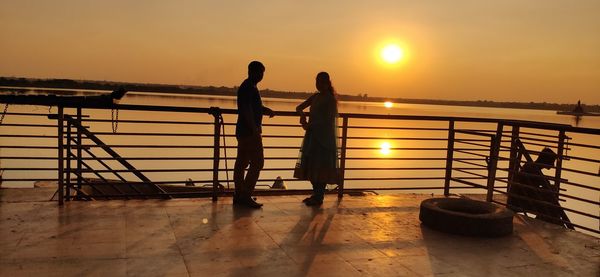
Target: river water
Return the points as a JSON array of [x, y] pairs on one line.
[[400, 148]]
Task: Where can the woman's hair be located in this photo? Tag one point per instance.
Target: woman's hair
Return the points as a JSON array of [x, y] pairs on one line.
[[325, 76]]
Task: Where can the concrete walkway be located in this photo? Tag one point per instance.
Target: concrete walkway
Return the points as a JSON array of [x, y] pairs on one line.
[[368, 235]]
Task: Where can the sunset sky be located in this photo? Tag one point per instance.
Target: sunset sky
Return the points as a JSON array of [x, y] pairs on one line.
[[542, 50]]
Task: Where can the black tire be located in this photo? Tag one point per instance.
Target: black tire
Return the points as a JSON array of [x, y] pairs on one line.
[[466, 217]]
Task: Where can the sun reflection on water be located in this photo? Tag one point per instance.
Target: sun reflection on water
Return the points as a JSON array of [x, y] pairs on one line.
[[385, 148]]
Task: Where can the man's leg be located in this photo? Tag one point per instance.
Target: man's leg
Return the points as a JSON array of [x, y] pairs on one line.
[[241, 162], [257, 161]]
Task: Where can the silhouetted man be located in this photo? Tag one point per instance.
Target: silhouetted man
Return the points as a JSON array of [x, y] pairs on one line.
[[533, 193], [248, 133]]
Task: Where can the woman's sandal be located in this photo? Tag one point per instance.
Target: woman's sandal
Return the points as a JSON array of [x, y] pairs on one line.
[[307, 199]]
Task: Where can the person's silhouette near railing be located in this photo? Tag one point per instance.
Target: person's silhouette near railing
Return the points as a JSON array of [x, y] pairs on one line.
[[530, 191]]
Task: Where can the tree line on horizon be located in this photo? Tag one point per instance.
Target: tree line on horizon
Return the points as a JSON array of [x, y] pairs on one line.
[[231, 91]]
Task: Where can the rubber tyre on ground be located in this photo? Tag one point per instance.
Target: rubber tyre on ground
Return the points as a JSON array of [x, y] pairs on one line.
[[466, 217]]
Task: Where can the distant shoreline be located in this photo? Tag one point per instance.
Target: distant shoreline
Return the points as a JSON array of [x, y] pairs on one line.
[[69, 84]]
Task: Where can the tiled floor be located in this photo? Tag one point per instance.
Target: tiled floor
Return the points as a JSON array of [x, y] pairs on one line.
[[368, 235]]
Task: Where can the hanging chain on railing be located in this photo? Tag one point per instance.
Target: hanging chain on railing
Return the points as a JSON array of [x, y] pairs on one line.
[[114, 119], [4, 113]]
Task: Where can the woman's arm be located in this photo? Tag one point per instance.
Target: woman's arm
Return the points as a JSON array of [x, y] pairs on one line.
[[300, 109], [304, 104]]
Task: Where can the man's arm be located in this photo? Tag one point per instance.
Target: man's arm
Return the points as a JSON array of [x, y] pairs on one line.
[[268, 111]]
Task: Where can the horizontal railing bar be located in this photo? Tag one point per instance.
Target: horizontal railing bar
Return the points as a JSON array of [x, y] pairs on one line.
[[471, 173], [398, 138], [571, 223], [151, 121], [28, 136], [266, 158], [461, 180], [27, 179], [470, 153], [468, 139], [472, 143], [27, 147], [29, 168], [222, 181], [231, 169], [524, 139], [505, 180], [539, 144], [396, 159], [400, 168], [27, 114], [154, 134], [580, 185], [406, 188], [392, 178], [27, 158], [228, 158], [535, 134], [579, 199], [407, 148], [584, 145], [584, 159], [580, 172], [521, 123], [474, 133], [551, 126], [470, 163], [533, 175], [396, 128], [28, 125], [548, 204], [266, 147]]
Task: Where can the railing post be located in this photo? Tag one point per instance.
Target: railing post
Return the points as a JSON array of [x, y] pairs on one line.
[[558, 175], [343, 157], [560, 153], [60, 122], [493, 165], [68, 163], [79, 143], [216, 151], [513, 163], [449, 157]]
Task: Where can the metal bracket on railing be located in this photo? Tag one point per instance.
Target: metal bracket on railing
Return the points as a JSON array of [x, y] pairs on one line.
[[214, 111]]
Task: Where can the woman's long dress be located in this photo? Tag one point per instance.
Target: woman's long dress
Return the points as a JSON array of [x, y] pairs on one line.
[[318, 158]]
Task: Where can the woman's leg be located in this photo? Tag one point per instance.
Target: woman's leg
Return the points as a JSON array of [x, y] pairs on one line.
[[316, 199], [318, 190]]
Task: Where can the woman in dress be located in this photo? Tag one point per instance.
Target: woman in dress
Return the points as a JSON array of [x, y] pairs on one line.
[[318, 159]]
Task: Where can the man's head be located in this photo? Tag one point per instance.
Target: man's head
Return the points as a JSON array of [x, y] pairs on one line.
[[546, 158], [256, 71]]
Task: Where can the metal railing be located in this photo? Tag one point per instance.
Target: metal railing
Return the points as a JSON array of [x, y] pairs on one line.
[[153, 151]]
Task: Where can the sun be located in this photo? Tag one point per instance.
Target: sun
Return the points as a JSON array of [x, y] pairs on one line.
[[392, 53], [388, 104]]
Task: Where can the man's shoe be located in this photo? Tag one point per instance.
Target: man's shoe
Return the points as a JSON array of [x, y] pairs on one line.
[[250, 203], [307, 199], [314, 202]]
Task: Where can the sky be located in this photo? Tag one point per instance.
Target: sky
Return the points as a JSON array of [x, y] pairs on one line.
[[505, 50]]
